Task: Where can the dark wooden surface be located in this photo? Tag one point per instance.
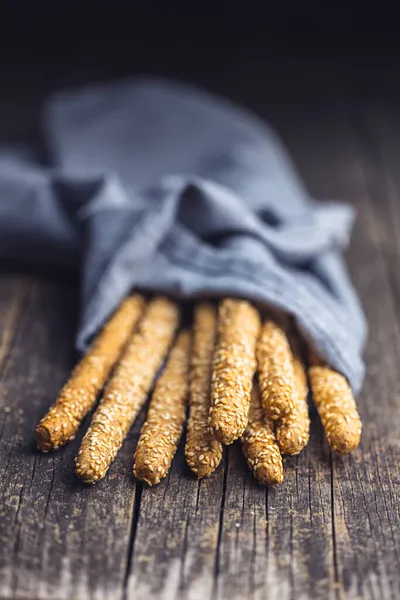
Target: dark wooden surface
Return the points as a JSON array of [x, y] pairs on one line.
[[331, 531]]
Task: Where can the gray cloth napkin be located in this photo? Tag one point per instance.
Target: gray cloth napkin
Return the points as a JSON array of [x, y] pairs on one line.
[[157, 186]]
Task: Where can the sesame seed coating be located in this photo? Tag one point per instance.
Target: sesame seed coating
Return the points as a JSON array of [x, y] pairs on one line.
[[203, 453], [127, 389], [293, 430], [233, 369], [275, 371], [79, 394], [336, 407], [165, 419], [259, 445]]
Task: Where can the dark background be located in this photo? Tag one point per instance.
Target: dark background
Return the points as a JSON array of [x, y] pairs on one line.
[[258, 53]]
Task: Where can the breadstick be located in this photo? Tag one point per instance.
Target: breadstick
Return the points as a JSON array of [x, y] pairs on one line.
[[127, 389], [275, 371], [293, 430], [259, 445], [336, 407], [165, 419], [203, 453], [233, 369], [79, 394]]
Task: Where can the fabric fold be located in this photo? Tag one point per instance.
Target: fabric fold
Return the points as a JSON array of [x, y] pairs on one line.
[[157, 186]]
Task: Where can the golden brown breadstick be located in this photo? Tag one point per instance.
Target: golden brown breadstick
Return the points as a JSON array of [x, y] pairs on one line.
[[203, 453], [293, 430], [79, 394], [336, 407], [165, 419], [127, 390], [233, 369], [275, 371], [259, 445]]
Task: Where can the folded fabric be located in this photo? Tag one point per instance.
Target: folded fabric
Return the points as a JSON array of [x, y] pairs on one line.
[[160, 187]]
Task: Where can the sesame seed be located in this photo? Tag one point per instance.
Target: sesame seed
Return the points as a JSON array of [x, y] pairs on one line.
[[233, 369], [79, 394], [275, 370], [200, 444], [129, 385], [293, 430], [164, 427], [336, 407], [259, 445]]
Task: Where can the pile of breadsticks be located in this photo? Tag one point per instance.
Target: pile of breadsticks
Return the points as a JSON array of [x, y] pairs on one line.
[[240, 376]]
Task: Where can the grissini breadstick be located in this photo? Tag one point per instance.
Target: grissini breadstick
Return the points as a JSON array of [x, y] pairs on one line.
[[203, 453], [127, 389], [165, 419], [275, 371], [293, 430], [336, 407], [260, 446], [79, 394], [233, 369]]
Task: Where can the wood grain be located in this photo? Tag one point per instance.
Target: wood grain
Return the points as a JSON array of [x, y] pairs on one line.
[[333, 529], [176, 541], [365, 488], [13, 291], [58, 538]]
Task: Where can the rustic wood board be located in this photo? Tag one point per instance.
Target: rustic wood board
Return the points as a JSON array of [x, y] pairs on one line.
[[332, 530]]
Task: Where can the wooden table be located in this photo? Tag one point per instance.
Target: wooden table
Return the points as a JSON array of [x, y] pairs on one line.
[[332, 529]]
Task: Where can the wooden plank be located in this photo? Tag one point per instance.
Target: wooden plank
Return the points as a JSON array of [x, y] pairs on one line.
[[58, 538], [243, 532], [300, 525], [378, 130], [365, 484], [13, 292], [200, 565], [277, 543], [373, 478], [176, 539], [378, 145]]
